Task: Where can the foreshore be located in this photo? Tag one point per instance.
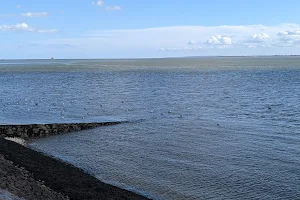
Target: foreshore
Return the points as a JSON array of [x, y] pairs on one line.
[[32, 175]]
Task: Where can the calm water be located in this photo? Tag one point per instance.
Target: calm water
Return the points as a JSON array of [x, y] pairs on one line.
[[198, 128]]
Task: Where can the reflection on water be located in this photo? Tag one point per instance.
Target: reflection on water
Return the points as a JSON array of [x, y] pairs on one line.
[[200, 128]]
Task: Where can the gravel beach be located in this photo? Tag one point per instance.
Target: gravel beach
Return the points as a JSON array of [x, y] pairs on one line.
[[21, 183], [31, 175]]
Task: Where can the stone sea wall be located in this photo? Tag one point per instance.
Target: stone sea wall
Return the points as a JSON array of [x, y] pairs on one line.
[[41, 130]]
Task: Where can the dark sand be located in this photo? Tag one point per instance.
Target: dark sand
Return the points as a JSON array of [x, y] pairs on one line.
[[58, 179]]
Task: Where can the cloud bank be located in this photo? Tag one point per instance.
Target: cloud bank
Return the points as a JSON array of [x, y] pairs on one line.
[[174, 41], [290, 37]]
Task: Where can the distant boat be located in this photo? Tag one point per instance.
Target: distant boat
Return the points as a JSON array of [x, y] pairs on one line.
[[52, 58]]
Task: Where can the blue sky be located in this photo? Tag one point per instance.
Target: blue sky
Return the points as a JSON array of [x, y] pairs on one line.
[[157, 28]]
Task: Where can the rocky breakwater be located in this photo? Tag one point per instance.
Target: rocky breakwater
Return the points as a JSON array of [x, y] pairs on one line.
[[41, 130]]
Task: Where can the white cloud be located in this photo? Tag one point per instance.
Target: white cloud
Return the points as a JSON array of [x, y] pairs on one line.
[[289, 37], [47, 31], [30, 14], [170, 41], [193, 48], [219, 41], [183, 37], [98, 3], [113, 8], [17, 27], [25, 27], [101, 2], [290, 33], [192, 42], [259, 38]]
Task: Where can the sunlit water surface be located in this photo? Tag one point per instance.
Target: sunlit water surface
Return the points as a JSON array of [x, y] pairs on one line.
[[197, 128]]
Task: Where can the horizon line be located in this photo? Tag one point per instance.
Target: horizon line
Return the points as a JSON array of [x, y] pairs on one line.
[[137, 58]]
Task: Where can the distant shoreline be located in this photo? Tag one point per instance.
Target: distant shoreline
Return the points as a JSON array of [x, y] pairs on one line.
[[249, 56]]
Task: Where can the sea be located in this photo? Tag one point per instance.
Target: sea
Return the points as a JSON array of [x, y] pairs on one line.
[[192, 128]]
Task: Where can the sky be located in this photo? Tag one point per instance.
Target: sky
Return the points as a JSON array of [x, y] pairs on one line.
[[32, 29]]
